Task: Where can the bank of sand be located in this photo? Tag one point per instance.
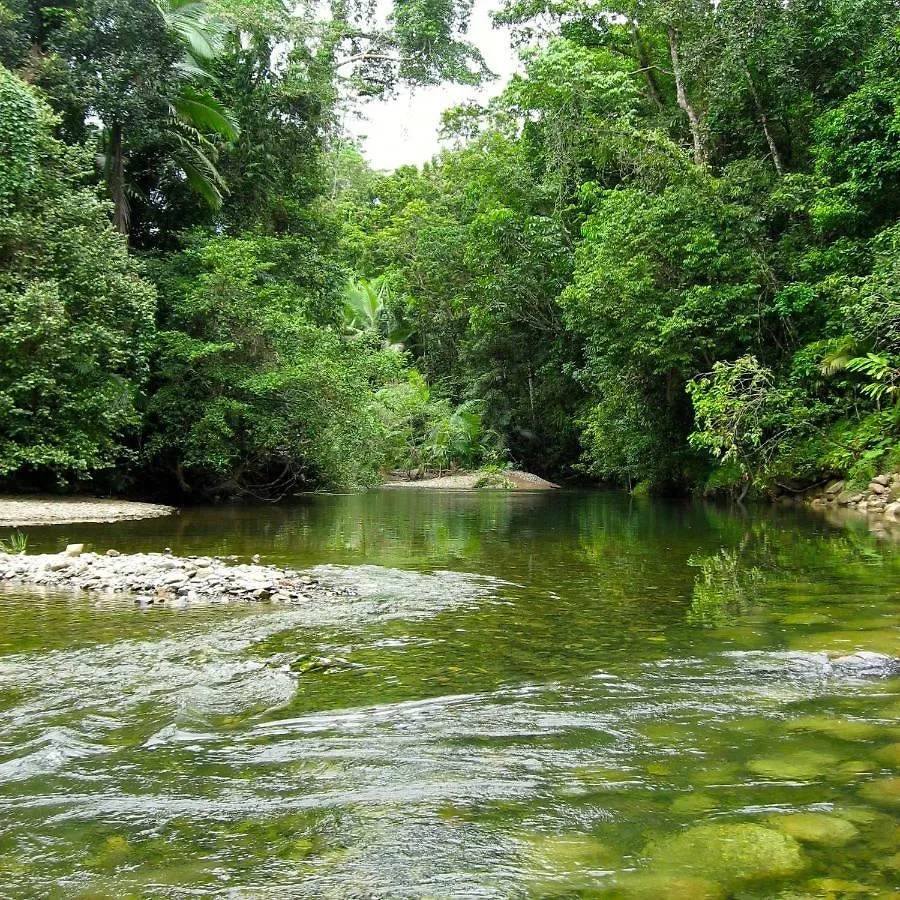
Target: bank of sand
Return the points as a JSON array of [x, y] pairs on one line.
[[17, 512], [514, 480]]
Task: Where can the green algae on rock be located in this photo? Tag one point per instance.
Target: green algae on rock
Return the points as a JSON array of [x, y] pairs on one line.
[[884, 791], [816, 828], [889, 755], [566, 853], [728, 853], [650, 886], [798, 765], [843, 729]]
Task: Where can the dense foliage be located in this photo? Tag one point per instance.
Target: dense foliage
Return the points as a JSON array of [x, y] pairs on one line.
[[666, 255]]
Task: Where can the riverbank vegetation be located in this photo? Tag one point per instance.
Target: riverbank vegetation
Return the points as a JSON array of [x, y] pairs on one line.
[[665, 256]]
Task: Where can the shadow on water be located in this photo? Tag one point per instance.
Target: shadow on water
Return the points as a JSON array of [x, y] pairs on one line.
[[565, 694]]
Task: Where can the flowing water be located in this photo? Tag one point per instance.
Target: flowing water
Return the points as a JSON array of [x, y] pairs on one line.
[[552, 695]]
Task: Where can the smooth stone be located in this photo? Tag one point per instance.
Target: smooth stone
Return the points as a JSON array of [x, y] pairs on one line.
[[843, 729], [884, 791], [647, 886], [569, 852], [802, 765], [693, 804], [883, 480], [729, 853], [816, 828], [74, 550], [57, 565], [113, 553], [889, 755]]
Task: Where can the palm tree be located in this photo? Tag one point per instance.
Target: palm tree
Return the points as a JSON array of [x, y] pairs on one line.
[[196, 118]]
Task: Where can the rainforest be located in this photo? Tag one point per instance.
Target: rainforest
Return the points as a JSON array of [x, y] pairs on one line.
[[664, 257]]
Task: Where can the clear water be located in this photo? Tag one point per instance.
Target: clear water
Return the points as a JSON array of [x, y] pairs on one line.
[[560, 695]]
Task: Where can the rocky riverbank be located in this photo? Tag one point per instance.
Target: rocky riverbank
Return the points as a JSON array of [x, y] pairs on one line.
[[881, 498], [161, 579]]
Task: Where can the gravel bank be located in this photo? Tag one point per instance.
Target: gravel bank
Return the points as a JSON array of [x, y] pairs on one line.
[[515, 480], [159, 579], [20, 511]]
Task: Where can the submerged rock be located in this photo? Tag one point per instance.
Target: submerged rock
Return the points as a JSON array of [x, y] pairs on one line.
[[801, 765], [563, 853], [647, 886], [868, 664], [889, 755], [884, 791], [729, 853], [816, 828], [842, 729]]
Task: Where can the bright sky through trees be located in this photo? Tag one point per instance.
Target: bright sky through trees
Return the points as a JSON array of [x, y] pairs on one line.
[[404, 128]]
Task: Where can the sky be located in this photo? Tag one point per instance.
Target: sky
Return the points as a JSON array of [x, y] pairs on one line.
[[404, 128]]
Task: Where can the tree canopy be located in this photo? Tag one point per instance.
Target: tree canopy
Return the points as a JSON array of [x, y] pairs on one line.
[[666, 254]]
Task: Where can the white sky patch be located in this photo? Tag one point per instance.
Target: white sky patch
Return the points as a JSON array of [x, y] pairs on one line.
[[404, 129]]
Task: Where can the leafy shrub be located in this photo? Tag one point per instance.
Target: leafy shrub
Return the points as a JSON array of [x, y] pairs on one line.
[[76, 320]]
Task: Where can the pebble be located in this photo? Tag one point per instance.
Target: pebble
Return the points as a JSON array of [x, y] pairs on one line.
[[161, 579]]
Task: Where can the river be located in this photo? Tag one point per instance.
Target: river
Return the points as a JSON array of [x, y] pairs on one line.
[[565, 694]]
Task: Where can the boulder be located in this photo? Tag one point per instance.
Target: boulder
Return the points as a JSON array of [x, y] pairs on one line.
[[867, 664], [74, 550], [816, 828], [884, 480], [835, 487], [892, 512], [876, 487], [729, 853]]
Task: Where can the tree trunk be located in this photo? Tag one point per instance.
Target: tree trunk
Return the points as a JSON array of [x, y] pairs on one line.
[[644, 62], [764, 120], [116, 179], [683, 101]]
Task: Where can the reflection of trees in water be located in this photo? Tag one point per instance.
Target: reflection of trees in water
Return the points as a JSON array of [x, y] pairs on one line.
[[770, 557], [723, 588]]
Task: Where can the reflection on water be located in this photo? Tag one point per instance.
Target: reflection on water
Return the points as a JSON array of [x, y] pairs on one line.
[[545, 695]]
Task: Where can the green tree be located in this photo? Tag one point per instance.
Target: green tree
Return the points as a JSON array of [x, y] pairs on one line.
[[76, 318]]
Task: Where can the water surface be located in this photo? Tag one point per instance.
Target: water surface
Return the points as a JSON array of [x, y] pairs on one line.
[[564, 694]]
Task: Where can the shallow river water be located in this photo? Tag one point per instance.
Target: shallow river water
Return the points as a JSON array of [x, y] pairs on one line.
[[552, 695]]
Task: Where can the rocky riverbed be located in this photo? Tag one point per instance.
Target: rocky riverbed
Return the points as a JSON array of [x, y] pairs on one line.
[[161, 579]]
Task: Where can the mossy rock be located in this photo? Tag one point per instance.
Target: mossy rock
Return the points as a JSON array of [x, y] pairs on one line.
[[800, 765], [568, 853], [114, 850], [842, 729], [884, 791], [816, 828], [728, 853], [694, 804], [648, 886], [838, 887], [889, 755], [858, 815]]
